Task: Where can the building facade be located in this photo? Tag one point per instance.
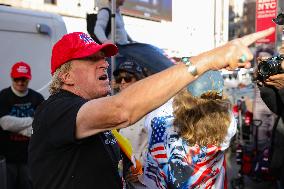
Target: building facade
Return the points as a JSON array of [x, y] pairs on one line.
[[196, 26]]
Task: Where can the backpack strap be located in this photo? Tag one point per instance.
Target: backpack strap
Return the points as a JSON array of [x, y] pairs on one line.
[[91, 23]]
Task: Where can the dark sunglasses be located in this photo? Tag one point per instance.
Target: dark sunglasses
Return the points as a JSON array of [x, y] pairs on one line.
[[127, 78], [22, 79]]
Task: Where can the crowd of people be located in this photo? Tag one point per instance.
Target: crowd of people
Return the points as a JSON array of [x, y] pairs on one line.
[[71, 138], [176, 117], [272, 93]]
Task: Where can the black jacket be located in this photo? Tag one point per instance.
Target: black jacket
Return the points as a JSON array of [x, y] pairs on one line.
[[274, 99]]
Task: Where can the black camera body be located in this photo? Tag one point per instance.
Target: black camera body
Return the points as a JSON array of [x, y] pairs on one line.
[[270, 66], [279, 20]]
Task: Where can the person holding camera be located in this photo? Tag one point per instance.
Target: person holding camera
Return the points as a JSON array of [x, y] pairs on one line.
[[270, 78], [272, 93]]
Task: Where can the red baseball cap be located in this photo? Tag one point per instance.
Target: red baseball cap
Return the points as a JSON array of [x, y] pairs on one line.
[[77, 45], [21, 69]]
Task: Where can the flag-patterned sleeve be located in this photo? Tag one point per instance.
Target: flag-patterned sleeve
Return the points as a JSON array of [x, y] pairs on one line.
[[155, 163]]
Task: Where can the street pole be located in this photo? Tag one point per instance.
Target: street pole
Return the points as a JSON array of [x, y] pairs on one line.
[[113, 10]]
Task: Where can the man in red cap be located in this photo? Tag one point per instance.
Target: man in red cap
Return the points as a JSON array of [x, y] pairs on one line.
[[18, 104], [71, 145]]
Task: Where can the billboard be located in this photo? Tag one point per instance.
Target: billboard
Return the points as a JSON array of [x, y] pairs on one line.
[[266, 10], [149, 9]]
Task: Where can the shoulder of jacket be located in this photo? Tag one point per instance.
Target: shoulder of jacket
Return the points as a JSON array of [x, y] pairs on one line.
[[5, 90]]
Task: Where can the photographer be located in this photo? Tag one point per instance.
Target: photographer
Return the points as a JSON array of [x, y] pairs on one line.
[[272, 93], [270, 76], [272, 85]]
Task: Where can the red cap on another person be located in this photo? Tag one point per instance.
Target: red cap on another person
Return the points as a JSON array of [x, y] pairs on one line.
[[21, 69], [77, 45]]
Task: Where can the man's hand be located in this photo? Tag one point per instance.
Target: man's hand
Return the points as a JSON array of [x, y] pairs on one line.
[[233, 54], [276, 80], [26, 132]]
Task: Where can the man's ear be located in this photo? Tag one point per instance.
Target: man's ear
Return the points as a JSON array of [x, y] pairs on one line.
[[67, 79]]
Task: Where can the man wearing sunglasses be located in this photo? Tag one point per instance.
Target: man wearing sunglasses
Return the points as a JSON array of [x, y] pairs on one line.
[[72, 145], [127, 73], [18, 104]]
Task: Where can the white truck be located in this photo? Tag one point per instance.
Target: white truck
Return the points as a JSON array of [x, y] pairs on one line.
[[27, 35]]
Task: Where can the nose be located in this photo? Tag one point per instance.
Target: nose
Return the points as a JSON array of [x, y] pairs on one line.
[[123, 81], [106, 64], [123, 84], [103, 64]]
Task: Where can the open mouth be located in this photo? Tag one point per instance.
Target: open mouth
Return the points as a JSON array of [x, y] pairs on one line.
[[103, 77]]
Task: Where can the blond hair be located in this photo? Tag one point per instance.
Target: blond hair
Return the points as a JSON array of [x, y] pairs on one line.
[[203, 121], [56, 82]]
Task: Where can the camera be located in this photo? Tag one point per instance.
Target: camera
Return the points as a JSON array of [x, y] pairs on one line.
[[279, 20], [270, 66]]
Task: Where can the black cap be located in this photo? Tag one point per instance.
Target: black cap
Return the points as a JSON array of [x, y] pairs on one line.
[[129, 66]]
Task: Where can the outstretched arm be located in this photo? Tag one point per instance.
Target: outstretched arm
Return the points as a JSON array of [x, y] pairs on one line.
[[145, 95]]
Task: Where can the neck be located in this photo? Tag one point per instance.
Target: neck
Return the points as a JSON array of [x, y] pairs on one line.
[[18, 93], [76, 90]]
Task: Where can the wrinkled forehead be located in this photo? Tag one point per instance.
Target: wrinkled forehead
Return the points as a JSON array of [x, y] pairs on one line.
[[93, 60], [95, 57]]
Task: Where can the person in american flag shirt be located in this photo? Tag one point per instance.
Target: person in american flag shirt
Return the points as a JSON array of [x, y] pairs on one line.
[[188, 137]]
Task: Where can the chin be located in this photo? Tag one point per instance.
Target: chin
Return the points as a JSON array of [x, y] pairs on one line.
[[105, 93], [101, 91], [21, 90]]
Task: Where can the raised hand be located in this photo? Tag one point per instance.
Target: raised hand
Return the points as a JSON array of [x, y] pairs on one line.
[[236, 53]]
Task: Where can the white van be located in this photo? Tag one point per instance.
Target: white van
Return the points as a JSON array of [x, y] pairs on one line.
[[28, 36]]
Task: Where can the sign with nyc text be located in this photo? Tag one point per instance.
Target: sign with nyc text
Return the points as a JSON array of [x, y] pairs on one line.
[[266, 10]]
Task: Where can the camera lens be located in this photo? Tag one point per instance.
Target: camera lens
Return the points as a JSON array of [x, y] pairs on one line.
[[275, 66], [264, 69], [269, 67]]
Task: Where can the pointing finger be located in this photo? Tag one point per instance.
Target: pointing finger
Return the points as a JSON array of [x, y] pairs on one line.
[[251, 38]]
